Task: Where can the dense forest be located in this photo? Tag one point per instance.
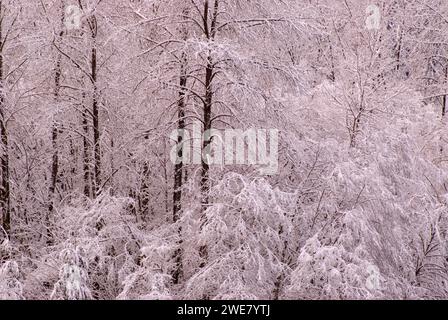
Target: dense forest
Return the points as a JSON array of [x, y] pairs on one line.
[[112, 120]]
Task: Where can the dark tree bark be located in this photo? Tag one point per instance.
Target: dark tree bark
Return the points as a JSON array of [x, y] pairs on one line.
[[112, 167], [210, 33], [144, 191], [444, 98], [54, 139], [398, 49], [95, 107], [5, 196], [86, 154], [178, 168]]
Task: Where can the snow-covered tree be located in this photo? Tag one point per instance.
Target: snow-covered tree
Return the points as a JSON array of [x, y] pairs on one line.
[[73, 277]]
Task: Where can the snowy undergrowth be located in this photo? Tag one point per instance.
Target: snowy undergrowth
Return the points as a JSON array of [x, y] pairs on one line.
[[363, 221], [95, 247], [363, 243]]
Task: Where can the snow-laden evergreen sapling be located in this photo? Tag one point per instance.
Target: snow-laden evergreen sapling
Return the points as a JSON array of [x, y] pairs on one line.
[[73, 283], [10, 286]]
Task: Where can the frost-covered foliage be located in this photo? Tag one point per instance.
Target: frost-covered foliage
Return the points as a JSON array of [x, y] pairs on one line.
[[247, 233], [152, 279], [332, 272], [109, 236], [10, 286], [73, 278], [93, 207], [351, 227], [365, 215], [96, 248]]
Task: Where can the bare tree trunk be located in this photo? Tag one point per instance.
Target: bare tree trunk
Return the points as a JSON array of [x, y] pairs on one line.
[[332, 76], [54, 139], [398, 49], [210, 33], [5, 198], [178, 169], [205, 181], [443, 106], [444, 99], [86, 153], [279, 282], [112, 166], [144, 191], [95, 109], [53, 181], [444, 102]]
